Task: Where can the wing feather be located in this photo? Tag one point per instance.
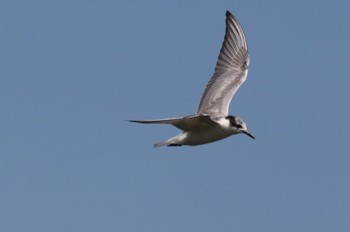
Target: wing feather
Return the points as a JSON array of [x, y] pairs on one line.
[[183, 123], [230, 72]]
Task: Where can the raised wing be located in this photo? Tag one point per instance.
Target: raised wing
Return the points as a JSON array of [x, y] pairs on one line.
[[230, 72]]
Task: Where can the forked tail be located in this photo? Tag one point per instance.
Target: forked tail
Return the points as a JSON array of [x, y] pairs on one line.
[[175, 141], [166, 143]]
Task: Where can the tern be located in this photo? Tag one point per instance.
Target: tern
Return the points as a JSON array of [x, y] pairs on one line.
[[212, 121]]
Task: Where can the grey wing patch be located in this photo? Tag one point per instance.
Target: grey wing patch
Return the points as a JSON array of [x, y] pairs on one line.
[[230, 72], [177, 122], [183, 123]]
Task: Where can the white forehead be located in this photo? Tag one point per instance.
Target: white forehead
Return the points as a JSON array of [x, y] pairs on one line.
[[239, 121]]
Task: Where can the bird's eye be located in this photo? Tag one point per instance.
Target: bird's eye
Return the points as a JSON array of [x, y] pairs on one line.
[[239, 126]]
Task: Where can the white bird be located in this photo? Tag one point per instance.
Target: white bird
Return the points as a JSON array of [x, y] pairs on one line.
[[212, 122]]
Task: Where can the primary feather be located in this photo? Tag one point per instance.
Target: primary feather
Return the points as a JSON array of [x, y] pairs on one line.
[[230, 72]]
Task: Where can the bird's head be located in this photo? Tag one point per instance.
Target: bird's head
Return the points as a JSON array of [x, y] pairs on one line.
[[239, 125]]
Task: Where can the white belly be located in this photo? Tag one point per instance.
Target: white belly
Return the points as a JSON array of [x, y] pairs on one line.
[[206, 135]]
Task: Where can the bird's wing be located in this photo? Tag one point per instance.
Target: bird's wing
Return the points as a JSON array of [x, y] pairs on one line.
[[230, 72], [183, 123]]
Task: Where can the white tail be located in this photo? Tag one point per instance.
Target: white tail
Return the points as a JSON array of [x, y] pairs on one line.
[[164, 143], [174, 141]]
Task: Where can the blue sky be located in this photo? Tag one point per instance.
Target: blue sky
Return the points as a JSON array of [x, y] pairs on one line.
[[71, 72]]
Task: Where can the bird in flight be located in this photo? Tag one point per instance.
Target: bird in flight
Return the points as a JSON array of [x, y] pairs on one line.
[[212, 121]]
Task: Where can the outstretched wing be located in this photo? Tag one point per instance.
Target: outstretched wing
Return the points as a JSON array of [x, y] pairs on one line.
[[183, 123], [230, 72]]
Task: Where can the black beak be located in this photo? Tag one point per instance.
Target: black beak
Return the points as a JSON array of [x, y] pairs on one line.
[[249, 134]]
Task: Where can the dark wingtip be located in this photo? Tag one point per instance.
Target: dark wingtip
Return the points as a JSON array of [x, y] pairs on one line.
[[136, 121], [174, 145]]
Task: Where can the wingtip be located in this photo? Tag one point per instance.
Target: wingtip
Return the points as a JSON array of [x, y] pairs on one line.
[[132, 121], [229, 15], [156, 145], [135, 121]]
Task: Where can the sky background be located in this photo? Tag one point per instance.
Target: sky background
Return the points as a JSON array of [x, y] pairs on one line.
[[72, 72]]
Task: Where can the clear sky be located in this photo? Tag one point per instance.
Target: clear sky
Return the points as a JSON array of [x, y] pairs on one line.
[[72, 72]]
